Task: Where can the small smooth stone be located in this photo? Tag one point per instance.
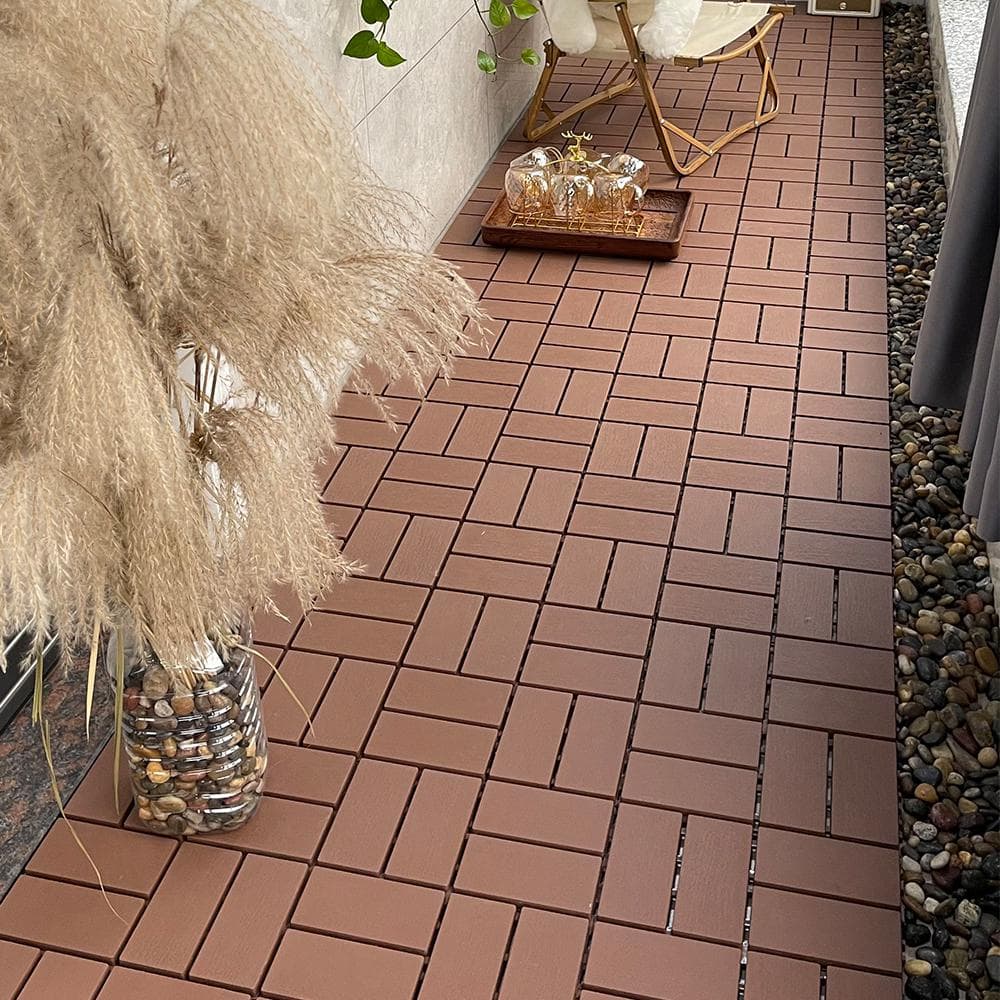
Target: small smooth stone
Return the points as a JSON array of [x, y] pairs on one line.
[[155, 683], [993, 966], [967, 913], [925, 831], [177, 824], [921, 988], [171, 804], [941, 860], [182, 704], [162, 709], [926, 793], [917, 967], [987, 659], [156, 773], [988, 757], [915, 891]]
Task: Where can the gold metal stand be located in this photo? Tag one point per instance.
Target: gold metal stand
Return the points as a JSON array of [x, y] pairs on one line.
[[767, 98]]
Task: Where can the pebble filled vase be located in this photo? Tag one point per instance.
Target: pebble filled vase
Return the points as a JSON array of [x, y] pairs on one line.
[[193, 738]]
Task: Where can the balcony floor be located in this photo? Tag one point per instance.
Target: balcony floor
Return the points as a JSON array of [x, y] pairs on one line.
[[611, 713]]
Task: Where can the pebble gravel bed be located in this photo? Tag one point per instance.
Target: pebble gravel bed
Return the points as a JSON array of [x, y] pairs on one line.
[[946, 629]]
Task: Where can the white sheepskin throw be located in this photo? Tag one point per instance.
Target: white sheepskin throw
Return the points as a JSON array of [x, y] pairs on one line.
[[664, 25]]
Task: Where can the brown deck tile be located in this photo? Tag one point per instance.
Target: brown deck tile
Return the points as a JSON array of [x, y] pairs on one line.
[[640, 872], [369, 908], [643, 963], [469, 950], [237, 950], [313, 965], [66, 916], [827, 930], [826, 866], [545, 957], [711, 890], [58, 975], [434, 827], [16, 963], [126, 984], [185, 901], [626, 610], [529, 873], [532, 736], [127, 861], [850, 984], [543, 816]]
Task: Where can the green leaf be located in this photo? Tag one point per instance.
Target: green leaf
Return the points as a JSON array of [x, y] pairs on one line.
[[388, 56], [499, 14], [363, 45], [523, 9], [374, 11], [530, 57], [486, 62]]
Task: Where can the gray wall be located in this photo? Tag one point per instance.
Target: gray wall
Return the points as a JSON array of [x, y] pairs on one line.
[[430, 126]]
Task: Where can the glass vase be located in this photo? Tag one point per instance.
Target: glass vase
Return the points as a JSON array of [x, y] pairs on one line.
[[193, 738]]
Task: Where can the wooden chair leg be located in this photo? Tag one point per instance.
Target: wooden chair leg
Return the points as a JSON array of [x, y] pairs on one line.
[[664, 128], [533, 129]]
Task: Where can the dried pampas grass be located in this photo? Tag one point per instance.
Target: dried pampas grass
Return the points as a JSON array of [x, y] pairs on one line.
[[191, 255]]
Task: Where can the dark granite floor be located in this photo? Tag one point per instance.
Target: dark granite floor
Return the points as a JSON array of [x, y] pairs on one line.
[[27, 806]]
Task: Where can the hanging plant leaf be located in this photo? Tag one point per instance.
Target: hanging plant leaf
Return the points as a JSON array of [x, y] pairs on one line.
[[486, 62], [388, 56], [374, 11], [363, 45], [523, 9], [530, 57], [499, 14]]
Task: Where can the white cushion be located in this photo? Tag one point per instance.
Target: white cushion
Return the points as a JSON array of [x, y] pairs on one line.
[[719, 24]]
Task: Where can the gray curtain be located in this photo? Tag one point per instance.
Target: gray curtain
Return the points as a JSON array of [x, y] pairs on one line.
[[957, 361]]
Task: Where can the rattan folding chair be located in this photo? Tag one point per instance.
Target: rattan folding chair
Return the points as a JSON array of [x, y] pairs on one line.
[[719, 25]]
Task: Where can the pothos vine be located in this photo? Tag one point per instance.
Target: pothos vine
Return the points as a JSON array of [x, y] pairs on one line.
[[496, 17]]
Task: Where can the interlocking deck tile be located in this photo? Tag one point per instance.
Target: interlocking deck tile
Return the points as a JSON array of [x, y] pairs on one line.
[[369, 815], [543, 816], [311, 775], [827, 930], [711, 891], [795, 779], [237, 950], [185, 901], [545, 957], [660, 966], [433, 830], [66, 916], [58, 975], [698, 735], [352, 701], [528, 873], [16, 963], [314, 965], [606, 505], [127, 861], [286, 827], [850, 984], [307, 675], [469, 950], [775, 977], [369, 908], [843, 710], [640, 871], [126, 984], [826, 866]]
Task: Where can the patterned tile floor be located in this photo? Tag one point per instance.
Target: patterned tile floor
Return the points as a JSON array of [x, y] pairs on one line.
[[611, 714]]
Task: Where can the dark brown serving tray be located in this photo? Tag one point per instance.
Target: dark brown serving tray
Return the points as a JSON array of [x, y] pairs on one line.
[[664, 213]]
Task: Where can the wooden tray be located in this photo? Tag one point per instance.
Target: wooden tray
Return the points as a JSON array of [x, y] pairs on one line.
[[664, 213]]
